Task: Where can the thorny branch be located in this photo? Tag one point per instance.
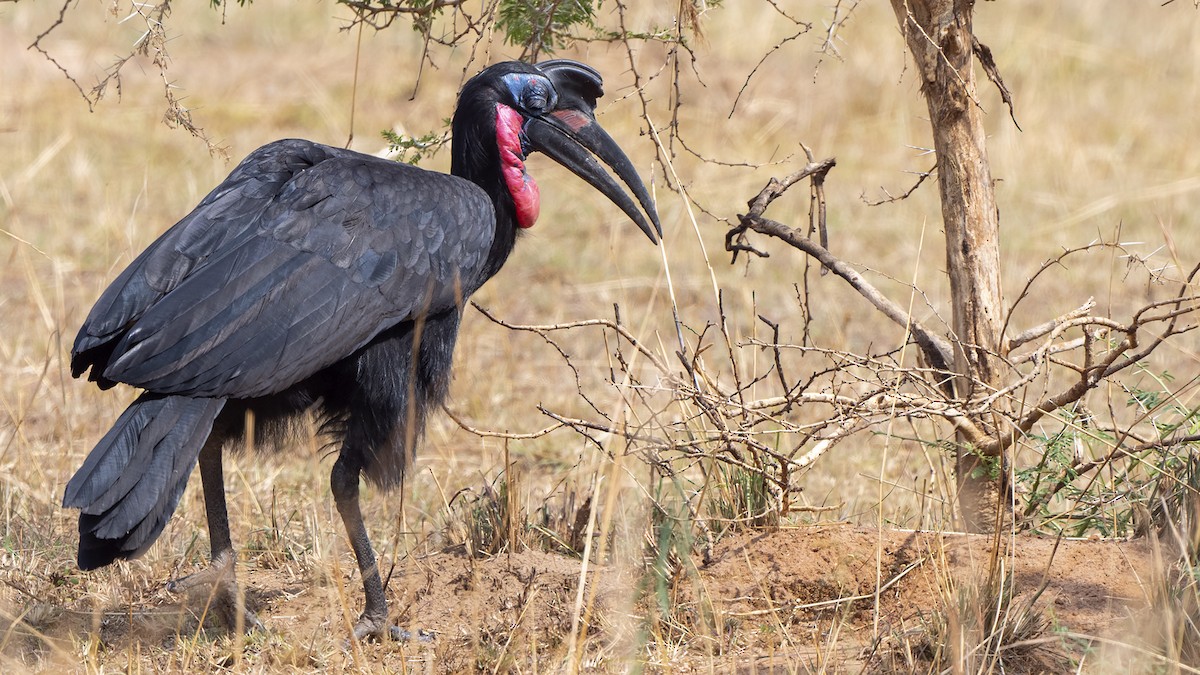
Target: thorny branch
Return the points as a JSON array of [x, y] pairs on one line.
[[545, 329], [1125, 353], [804, 28], [1109, 347], [904, 195], [381, 15], [937, 350]]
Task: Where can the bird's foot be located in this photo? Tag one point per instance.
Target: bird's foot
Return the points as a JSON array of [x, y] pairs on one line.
[[378, 629], [215, 587]]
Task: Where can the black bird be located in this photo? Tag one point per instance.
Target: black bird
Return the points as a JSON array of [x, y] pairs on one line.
[[318, 278]]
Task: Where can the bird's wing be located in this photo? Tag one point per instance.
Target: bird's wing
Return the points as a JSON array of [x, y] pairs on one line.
[[228, 212], [285, 269]]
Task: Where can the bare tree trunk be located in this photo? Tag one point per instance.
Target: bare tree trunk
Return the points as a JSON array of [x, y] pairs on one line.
[[940, 38]]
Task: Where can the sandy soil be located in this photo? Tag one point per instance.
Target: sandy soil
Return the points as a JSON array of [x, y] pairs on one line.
[[826, 578], [788, 600]]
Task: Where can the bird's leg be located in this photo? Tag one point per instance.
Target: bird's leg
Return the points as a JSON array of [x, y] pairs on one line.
[[343, 482], [219, 577]]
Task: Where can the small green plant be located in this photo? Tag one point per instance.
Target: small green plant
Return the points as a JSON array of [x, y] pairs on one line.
[[742, 499], [490, 521], [497, 518], [1089, 478], [413, 149]]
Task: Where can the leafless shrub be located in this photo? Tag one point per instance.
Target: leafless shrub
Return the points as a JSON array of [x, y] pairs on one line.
[[1043, 384]]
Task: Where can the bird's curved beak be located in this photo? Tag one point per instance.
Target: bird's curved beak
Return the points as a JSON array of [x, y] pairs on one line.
[[573, 138]]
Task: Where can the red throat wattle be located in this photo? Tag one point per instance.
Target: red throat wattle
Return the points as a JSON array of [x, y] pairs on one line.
[[520, 184]]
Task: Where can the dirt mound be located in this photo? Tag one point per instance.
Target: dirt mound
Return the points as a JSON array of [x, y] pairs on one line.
[[809, 570]]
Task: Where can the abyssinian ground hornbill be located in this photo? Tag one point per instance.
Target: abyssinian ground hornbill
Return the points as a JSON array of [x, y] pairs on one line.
[[318, 278]]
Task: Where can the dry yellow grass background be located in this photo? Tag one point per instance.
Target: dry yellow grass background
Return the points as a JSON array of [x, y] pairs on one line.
[[1107, 95]]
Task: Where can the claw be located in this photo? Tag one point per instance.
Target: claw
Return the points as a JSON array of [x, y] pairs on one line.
[[368, 629]]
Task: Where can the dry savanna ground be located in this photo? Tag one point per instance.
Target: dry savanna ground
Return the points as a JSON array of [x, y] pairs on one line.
[[576, 549]]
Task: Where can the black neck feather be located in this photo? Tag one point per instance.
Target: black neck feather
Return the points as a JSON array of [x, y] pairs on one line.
[[475, 156]]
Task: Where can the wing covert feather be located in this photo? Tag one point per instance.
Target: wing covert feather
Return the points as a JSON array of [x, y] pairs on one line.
[[276, 275]]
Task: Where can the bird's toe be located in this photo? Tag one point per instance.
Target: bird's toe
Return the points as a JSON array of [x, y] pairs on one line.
[[216, 591], [379, 630]]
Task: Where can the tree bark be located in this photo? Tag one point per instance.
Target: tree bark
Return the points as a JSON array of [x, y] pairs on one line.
[[939, 35]]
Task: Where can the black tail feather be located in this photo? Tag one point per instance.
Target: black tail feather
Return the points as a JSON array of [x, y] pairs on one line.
[[131, 482]]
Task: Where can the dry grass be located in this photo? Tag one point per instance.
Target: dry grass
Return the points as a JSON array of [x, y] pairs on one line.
[[1106, 97]]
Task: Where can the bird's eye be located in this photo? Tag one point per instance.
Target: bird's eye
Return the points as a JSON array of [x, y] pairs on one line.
[[531, 93], [535, 101], [536, 97]]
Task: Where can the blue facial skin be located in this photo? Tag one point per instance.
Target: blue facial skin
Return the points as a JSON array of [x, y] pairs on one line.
[[533, 94]]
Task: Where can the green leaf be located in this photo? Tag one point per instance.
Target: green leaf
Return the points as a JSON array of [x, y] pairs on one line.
[[543, 25]]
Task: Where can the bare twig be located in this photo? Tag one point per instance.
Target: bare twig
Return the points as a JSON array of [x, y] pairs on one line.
[[603, 323], [1040, 330], [936, 349], [921, 176], [484, 433]]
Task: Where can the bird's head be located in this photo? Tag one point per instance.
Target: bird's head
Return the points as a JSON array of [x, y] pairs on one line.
[[548, 108]]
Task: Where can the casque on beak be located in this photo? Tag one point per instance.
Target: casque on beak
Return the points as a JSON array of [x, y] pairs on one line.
[[570, 135]]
